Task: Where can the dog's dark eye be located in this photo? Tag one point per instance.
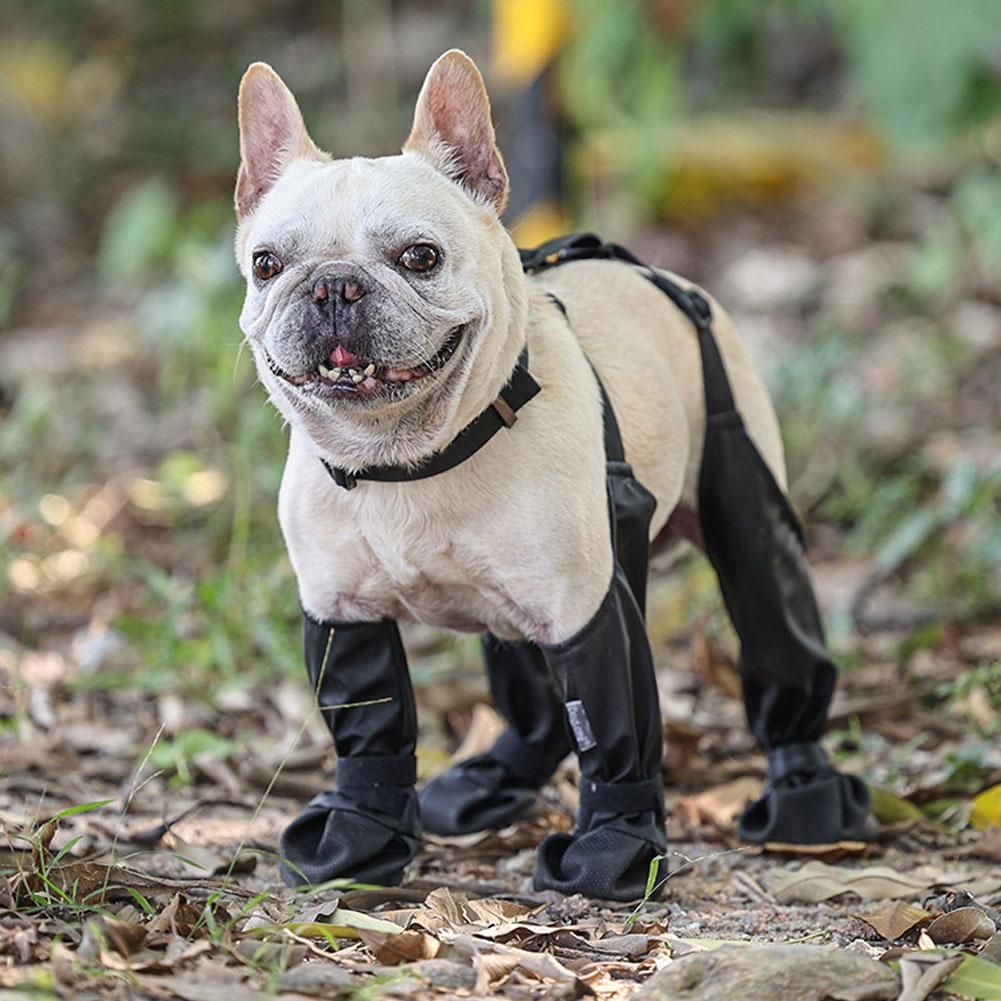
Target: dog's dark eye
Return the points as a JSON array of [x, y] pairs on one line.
[[419, 257], [266, 265]]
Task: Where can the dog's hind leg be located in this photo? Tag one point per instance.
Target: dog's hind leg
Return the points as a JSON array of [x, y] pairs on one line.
[[497, 788], [754, 542], [367, 828]]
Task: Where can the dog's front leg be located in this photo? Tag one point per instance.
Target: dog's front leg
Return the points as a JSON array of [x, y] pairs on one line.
[[367, 828], [606, 675]]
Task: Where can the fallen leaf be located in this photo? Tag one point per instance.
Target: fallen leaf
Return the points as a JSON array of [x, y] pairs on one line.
[[986, 810], [888, 808], [494, 912], [893, 921], [720, 806], [345, 924], [817, 881], [965, 924], [179, 917], [829, 853], [400, 947], [975, 978], [992, 950], [923, 973]]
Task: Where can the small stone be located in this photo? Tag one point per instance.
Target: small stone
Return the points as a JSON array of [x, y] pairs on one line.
[[775, 972]]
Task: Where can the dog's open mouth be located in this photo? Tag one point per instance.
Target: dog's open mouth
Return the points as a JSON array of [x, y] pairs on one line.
[[347, 373]]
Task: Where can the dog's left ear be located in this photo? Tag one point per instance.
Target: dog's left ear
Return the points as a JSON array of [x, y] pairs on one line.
[[453, 129]]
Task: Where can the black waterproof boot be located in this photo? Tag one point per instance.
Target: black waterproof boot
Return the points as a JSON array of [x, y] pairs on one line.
[[367, 828], [606, 674], [755, 543], [495, 789]]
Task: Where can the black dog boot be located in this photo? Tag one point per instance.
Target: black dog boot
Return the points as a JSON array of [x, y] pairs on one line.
[[807, 802], [495, 789], [606, 672], [367, 828]]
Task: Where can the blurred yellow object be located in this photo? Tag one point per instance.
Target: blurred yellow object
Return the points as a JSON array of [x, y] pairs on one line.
[[527, 36], [539, 223], [986, 810], [708, 164]]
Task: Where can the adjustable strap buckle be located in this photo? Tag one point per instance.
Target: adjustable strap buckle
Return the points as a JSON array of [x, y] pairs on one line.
[[505, 411]]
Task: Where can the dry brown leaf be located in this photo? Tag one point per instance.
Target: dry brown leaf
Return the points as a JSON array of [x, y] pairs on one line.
[[179, 917], [405, 947], [817, 881], [965, 924], [628, 946], [826, 853], [492, 969], [720, 806], [714, 664], [494, 912], [892, 921], [540, 965], [441, 909]]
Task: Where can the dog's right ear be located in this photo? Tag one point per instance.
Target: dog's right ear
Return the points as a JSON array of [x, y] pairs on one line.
[[272, 135]]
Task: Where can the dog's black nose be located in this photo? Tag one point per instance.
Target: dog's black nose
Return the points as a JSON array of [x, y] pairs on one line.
[[343, 287]]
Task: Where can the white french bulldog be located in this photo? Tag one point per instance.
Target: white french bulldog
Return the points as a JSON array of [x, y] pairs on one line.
[[388, 311]]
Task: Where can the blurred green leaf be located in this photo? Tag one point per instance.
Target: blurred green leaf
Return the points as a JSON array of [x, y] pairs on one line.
[[137, 233]]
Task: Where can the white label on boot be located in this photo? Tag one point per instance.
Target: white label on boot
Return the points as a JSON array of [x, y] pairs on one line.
[[581, 726]]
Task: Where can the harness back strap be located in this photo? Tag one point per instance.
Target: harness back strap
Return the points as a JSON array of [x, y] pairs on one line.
[[720, 406]]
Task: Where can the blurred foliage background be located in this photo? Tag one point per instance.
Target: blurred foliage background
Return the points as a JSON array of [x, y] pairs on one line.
[[829, 168]]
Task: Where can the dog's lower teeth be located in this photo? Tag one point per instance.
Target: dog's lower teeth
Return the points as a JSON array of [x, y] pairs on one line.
[[356, 377], [325, 372], [334, 373], [370, 370]]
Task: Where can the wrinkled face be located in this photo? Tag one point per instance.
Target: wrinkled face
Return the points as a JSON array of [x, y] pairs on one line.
[[368, 283], [385, 302]]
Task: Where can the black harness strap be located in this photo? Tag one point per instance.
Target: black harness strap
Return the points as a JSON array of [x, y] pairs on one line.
[[502, 413], [720, 406]]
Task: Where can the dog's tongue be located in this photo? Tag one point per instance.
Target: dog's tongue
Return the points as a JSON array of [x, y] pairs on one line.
[[341, 356]]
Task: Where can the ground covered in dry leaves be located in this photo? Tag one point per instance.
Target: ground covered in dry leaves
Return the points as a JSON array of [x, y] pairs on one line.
[[120, 881], [148, 761]]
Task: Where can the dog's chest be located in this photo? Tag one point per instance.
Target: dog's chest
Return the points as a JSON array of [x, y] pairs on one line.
[[398, 561]]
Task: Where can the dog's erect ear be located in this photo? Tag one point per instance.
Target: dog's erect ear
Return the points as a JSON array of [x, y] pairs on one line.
[[452, 128], [272, 135]]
